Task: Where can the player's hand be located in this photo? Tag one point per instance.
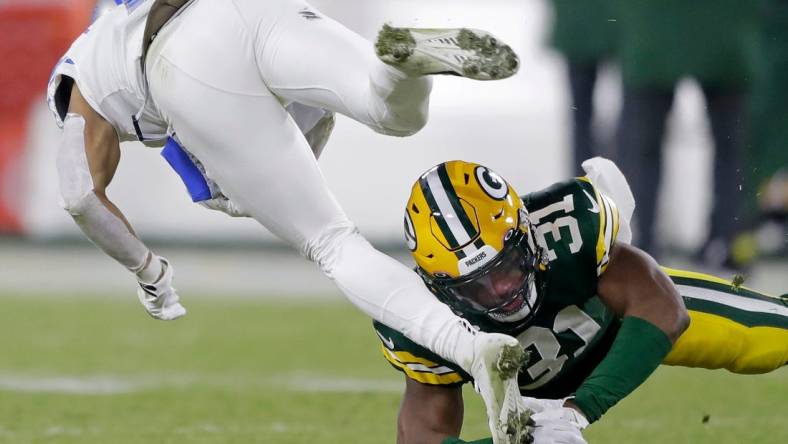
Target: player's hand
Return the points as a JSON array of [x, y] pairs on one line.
[[225, 205], [556, 432], [537, 405], [554, 423], [159, 298], [318, 136]]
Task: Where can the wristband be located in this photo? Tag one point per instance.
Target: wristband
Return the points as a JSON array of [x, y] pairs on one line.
[[638, 349]]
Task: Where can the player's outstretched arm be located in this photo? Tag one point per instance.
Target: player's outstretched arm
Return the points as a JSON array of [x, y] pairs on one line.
[[635, 285], [653, 317], [429, 414], [87, 160]]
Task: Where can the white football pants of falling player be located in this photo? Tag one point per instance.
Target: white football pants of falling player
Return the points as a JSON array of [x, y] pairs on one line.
[[219, 74]]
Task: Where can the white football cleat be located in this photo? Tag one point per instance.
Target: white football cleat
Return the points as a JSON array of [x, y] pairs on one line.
[[470, 53], [159, 298], [497, 360]]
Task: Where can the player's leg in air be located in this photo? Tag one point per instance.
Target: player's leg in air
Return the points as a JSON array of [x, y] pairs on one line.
[[732, 327], [317, 61], [224, 103]]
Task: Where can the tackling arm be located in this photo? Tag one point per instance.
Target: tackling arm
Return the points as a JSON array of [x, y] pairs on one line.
[[429, 414], [653, 313], [635, 285]]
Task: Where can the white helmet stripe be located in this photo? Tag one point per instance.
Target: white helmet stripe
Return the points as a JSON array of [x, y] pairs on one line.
[[446, 209]]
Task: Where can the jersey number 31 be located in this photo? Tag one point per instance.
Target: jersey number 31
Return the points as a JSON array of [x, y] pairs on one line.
[[546, 343]]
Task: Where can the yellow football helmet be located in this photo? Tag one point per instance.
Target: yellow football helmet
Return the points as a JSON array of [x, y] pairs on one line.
[[470, 236]]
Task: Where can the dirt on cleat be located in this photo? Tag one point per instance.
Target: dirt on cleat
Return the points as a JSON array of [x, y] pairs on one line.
[[394, 44], [499, 59], [516, 423], [519, 426], [510, 360], [470, 53]]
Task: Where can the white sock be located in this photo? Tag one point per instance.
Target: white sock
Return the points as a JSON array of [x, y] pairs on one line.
[[392, 294], [455, 342], [401, 102]]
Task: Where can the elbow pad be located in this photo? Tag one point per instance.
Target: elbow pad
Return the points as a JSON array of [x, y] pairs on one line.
[[74, 178], [100, 225]]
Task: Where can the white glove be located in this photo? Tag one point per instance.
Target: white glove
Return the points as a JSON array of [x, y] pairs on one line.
[[554, 423], [606, 176], [318, 136], [556, 432], [225, 205], [218, 201], [538, 405], [316, 124], [159, 298]]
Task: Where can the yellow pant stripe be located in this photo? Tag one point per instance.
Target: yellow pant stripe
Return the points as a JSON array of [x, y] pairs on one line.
[[424, 377], [696, 275]]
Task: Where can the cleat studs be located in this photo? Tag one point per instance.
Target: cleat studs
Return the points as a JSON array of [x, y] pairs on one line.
[[473, 54]]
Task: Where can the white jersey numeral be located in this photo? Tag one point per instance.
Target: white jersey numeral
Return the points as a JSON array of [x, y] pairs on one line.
[[567, 205], [571, 318]]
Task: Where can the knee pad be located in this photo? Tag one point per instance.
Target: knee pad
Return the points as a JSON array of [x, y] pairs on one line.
[[76, 183], [325, 248]]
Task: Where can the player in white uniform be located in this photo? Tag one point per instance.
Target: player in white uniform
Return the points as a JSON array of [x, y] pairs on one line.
[[218, 76]]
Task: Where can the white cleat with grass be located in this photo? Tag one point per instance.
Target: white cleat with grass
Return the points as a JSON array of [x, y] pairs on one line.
[[497, 361], [470, 53]]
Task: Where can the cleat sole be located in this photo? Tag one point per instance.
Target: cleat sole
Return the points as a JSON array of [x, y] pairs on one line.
[[470, 53]]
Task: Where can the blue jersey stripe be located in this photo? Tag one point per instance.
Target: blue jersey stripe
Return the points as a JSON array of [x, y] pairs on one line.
[[191, 176]]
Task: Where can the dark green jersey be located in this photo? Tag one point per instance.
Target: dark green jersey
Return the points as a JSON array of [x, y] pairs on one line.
[[572, 330]]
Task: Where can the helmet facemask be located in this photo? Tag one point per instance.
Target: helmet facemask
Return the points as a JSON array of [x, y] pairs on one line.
[[504, 290], [470, 235]]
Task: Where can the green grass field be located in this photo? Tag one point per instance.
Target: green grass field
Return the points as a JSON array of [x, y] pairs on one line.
[[93, 370]]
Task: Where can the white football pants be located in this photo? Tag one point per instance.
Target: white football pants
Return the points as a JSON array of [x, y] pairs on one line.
[[220, 73]]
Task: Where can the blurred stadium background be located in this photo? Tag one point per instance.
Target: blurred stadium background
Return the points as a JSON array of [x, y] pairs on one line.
[[270, 352]]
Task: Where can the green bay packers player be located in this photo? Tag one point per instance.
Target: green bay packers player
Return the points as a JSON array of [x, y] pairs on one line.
[[554, 269]]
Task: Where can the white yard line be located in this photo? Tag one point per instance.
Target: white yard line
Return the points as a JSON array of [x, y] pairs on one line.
[[107, 385], [88, 385]]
